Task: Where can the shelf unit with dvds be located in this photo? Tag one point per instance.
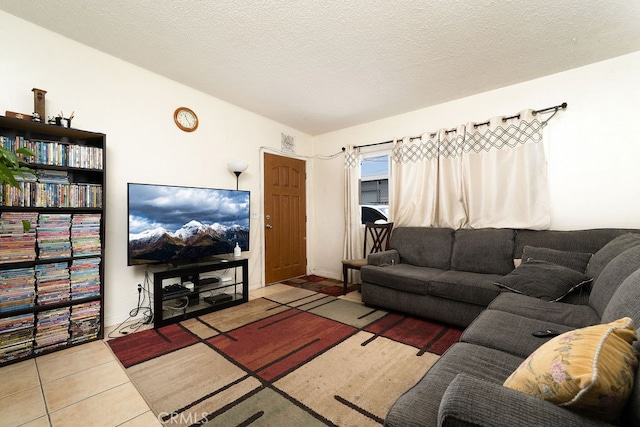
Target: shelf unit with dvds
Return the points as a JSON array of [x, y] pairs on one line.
[[52, 272]]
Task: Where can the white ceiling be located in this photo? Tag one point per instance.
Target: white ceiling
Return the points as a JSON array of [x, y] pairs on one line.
[[319, 66]]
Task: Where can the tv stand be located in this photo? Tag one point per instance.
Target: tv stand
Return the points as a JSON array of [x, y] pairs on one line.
[[200, 289]]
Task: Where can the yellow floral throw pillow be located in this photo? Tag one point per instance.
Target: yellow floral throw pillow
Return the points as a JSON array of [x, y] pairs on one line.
[[589, 370]]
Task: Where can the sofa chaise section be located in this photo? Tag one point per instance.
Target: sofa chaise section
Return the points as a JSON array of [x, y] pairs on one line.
[[512, 332], [465, 386]]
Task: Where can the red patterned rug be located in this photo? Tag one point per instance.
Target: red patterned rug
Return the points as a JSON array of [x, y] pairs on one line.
[[423, 334], [279, 343], [295, 358], [144, 345], [320, 284]]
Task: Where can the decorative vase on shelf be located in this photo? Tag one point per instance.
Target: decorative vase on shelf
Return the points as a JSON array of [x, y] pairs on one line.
[[237, 251]]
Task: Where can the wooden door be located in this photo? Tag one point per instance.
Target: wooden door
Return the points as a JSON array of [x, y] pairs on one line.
[[284, 218]]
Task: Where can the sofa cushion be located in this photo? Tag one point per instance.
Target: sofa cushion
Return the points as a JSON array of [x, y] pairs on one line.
[[574, 260], [612, 277], [509, 332], [588, 370], [472, 402], [615, 247], [419, 405], [486, 250], [474, 288], [581, 297], [544, 280], [625, 301], [570, 240], [449, 311], [572, 315], [403, 277], [423, 246]]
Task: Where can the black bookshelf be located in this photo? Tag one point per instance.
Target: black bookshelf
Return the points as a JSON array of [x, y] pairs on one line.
[[73, 312]]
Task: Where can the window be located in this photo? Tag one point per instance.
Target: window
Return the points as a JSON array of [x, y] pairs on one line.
[[374, 186]]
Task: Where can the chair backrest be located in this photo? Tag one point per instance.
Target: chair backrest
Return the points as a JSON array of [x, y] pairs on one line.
[[376, 237]]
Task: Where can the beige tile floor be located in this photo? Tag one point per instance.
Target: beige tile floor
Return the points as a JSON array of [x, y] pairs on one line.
[[81, 386]]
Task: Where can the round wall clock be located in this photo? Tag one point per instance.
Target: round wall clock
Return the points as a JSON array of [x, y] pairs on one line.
[[186, 119]]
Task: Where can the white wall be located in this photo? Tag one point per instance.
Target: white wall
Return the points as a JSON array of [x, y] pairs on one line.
[[594, 149], [134, 108]]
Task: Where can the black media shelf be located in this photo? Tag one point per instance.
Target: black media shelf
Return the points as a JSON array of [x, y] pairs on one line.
[[170, 309]]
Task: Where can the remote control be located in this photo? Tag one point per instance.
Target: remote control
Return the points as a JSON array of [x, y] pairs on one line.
[[546, 334]]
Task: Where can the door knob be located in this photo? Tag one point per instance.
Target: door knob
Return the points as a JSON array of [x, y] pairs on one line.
[[269, 226]]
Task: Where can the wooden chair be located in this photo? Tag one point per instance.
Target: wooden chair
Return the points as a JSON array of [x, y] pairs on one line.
[[376, 237]]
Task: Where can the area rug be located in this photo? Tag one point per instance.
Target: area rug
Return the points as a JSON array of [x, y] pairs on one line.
[[320, 284], [298, 358]]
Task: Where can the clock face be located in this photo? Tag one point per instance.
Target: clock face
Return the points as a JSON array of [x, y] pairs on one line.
[[186, 119]]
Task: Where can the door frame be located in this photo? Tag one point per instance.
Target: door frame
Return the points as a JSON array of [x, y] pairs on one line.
[[261, 222]]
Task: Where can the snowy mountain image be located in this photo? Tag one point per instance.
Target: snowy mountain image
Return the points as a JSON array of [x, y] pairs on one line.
[[185, 223]]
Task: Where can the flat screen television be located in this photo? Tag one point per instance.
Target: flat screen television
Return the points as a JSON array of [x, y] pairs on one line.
[[176, 225]]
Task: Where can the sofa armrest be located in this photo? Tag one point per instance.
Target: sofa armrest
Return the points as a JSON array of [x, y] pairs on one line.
[[384, 258], [470, 401]]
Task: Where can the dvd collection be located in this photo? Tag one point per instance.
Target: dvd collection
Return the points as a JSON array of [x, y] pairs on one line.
[[51, 188], [16, 244], [52, 329], [17, 289], [59, 238], [53, 236], [16, 338], [51, 261], [48, 236], [56, 153]]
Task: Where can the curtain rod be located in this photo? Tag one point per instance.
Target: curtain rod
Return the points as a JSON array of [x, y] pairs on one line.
[[555, 109]]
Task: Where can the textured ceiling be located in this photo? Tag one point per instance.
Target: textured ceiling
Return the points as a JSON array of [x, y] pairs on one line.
[[320, 66]]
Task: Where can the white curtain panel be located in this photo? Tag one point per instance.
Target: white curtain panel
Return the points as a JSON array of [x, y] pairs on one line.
[[487, 175], [505, 174], [427, 180], [414, 175], [452, 211], [354, 238]]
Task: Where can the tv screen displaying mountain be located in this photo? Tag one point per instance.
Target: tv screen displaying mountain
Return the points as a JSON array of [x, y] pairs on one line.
[[174, 224]]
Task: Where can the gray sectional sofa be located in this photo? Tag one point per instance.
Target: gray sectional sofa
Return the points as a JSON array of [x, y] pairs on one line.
[[465, 386]]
